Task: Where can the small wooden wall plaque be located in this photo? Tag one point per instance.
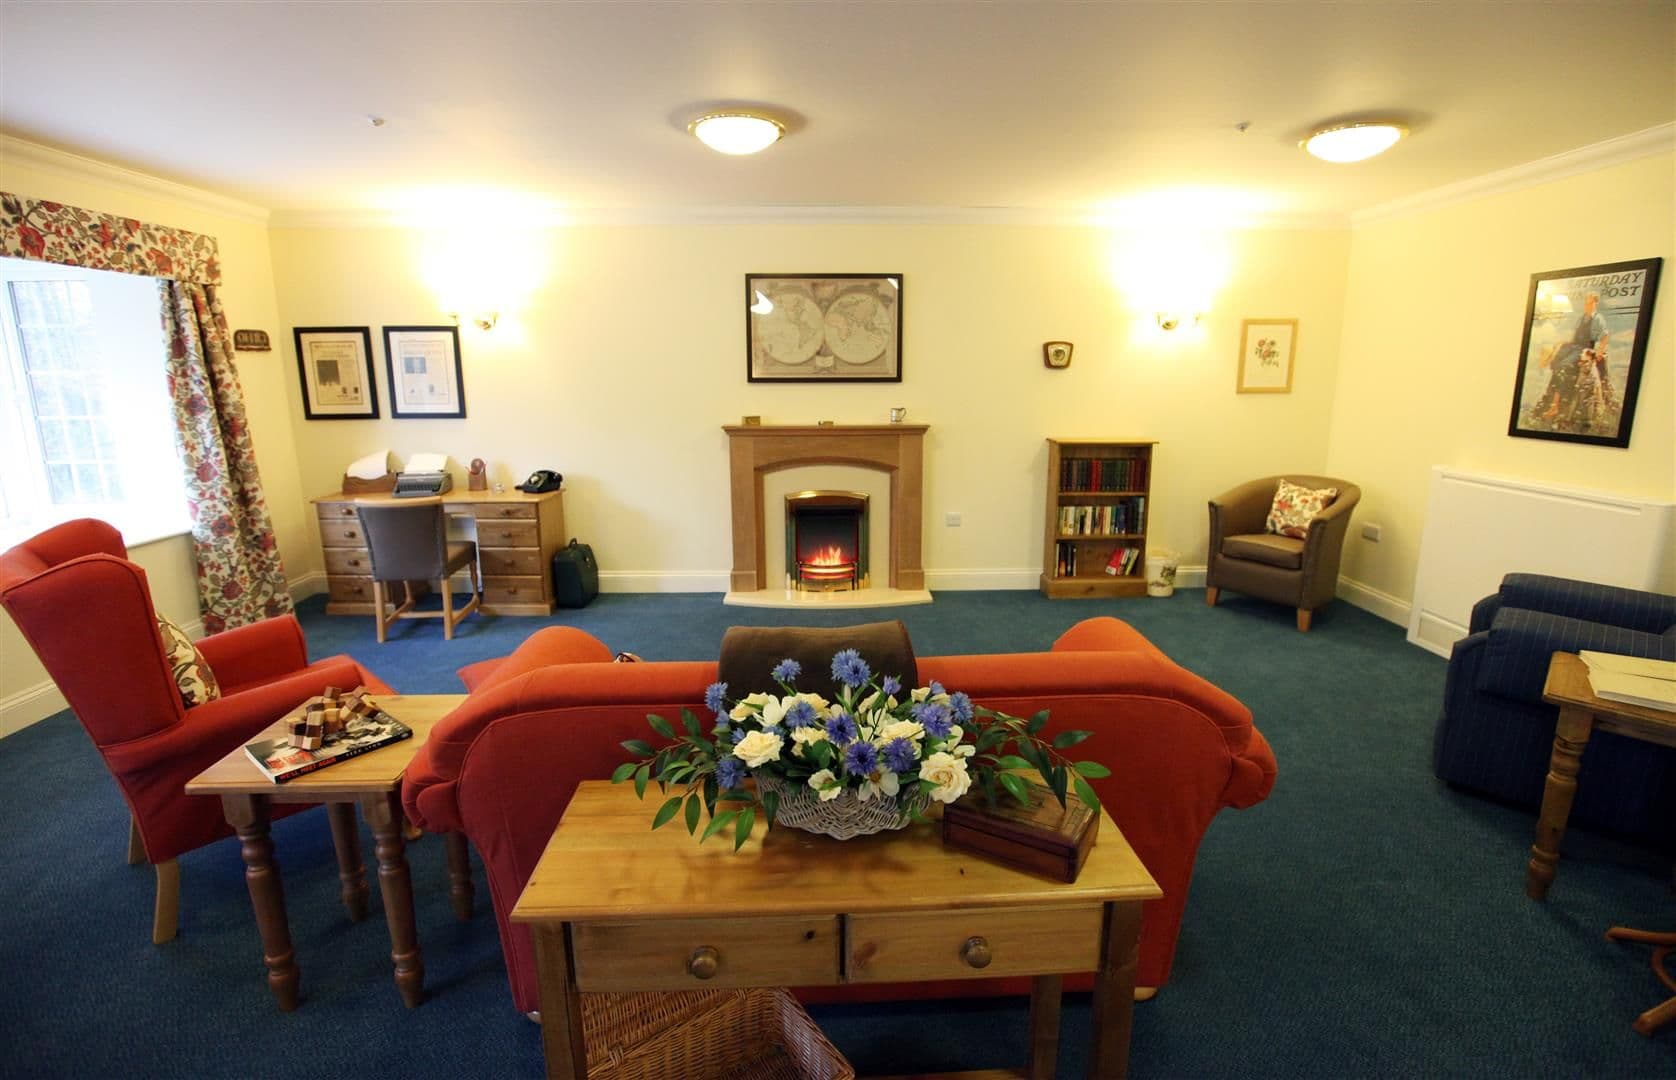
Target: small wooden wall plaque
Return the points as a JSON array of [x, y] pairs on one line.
[[1041, 838], [251, 341]]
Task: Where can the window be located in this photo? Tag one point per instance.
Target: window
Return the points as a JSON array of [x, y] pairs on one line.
[[86, 424]]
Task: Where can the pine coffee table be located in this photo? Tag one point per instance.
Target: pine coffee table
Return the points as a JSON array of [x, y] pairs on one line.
[[612, 905], [374, 781]]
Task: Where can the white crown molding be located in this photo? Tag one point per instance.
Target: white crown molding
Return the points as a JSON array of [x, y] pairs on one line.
[[1600, 155], [14, 150], [797, 215]]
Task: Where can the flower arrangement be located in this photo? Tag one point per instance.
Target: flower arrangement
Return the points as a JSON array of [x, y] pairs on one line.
[[876, 753]]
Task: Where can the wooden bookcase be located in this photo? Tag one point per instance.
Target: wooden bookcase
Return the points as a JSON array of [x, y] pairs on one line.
[[1097, 505]]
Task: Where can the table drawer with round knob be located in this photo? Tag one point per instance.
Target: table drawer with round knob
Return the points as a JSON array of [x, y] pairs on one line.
[[706, 953], [504, 562], [347, 560], [339, 534], [975, 944], [508, 534], [502, 511]]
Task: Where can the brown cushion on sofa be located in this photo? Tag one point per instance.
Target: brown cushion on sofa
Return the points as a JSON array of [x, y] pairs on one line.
[[749, 654], [1270, 548]]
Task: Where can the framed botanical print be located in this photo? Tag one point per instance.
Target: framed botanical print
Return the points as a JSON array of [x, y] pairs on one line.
[[424, 367], [823, 328], [1267, 347], [335, 365], [1585, 339]]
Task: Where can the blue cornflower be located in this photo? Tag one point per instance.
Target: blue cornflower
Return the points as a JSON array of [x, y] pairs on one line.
[[787, 670], [738, 735], [892, 685], [962, 706], [850, 669], [899, 755], [730, 773], [935, 716], [936, 688], [715, 697], [841, 729], [861, 758], [801, 714], [773, 729]]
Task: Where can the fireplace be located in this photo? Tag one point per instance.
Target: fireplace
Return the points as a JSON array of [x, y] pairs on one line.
[[826, 541]]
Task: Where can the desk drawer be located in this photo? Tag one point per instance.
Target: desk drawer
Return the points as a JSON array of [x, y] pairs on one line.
[[347, 560], [665, 955], [336, 511], [508, 534], [338, 534], [493, 511], [982, 944], [512, 590], [349, 590], [501, 562]]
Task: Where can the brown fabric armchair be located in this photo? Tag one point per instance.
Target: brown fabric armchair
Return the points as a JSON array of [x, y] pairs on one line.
[[1244, 558]]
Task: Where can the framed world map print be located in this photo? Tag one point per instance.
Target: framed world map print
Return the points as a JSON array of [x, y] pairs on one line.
[[823, 328]]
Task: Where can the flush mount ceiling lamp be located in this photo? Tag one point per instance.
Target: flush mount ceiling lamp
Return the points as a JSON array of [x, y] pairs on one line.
[[1344, 143], [737, 133]]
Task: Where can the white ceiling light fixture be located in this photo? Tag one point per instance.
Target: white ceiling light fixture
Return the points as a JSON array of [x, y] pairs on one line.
[[1344, 143], [737, 133]]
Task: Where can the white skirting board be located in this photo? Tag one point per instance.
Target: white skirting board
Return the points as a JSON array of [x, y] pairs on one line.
[[1479, 528]]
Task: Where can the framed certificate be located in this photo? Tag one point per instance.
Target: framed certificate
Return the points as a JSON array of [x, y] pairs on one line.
[[424, 367], [335, 365]]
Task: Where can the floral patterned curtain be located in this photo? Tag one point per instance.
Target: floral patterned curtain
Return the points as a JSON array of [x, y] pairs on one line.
[[240, 579]]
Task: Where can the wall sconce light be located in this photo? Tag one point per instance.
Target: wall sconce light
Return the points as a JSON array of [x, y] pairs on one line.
[[1169, 320], [483, 321]]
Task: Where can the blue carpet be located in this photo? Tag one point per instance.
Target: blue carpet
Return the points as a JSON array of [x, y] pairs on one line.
[[1364, 921]]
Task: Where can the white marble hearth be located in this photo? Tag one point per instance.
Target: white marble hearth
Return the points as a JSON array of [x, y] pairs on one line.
[[826, 601]]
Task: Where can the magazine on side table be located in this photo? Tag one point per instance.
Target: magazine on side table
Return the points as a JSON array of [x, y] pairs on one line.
[[324, 731]]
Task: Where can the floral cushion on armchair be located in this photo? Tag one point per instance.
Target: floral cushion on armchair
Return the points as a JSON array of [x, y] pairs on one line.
[[1295, 507], [191, 671]]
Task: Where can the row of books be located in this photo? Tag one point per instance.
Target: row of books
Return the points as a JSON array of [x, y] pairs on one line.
[[1123, 516], [1121, 562], [1102, 474]]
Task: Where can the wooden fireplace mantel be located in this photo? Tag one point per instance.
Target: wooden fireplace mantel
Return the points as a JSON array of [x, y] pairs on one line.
[[755, 450]]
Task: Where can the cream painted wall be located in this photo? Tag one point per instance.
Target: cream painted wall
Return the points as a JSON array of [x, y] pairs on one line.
[[1432, 316], [627, 356], [248, 296]]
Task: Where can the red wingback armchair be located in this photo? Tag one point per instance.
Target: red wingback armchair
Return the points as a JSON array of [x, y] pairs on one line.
[[86, 611]]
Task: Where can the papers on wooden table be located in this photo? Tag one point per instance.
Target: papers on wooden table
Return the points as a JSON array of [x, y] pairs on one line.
[[1632, 679]]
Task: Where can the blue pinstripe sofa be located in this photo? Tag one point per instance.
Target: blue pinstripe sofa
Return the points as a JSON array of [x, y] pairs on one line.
[[1495, 734]]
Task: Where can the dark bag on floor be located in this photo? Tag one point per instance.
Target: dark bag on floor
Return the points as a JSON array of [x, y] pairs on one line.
[[575, 576]]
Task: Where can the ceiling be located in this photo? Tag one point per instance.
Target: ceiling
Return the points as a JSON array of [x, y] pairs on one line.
[[1029, 106]]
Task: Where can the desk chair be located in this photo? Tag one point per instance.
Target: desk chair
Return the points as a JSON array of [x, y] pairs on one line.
[[407, 542]]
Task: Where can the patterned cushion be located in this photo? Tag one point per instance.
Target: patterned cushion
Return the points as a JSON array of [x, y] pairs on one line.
[[1294, 507], [192, 673]]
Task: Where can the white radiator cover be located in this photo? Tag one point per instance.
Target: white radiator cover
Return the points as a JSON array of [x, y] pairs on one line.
[[1479, 528]]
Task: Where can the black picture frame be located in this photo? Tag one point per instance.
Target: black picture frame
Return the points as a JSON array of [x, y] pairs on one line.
[[1567, 388], [340, 357], [428, 383], [809, 346]]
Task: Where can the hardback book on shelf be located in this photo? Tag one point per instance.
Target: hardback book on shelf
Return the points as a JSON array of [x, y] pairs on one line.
[[281, 759]]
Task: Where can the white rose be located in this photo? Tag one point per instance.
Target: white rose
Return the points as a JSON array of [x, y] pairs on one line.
[[949, 773], [803, 736], [827, 784], [902, 729], [774, 710], [869, 701], [758, 748], [823, 708], [750, 706]]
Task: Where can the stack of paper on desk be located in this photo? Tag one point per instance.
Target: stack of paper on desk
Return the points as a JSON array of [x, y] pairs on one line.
[[1632, 679]]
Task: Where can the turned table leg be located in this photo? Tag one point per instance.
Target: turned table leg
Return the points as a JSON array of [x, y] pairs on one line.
[[1112, 1010], [1571, 737], [384, 814], [459, 874], [352, 872], [248, 815]]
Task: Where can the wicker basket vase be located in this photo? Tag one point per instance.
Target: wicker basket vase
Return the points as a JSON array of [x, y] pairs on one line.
[[843, 817], [717, 1035]]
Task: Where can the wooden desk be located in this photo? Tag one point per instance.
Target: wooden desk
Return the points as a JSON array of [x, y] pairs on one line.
[[611, 905], [1581, 713], [374, 781], [517, 537]]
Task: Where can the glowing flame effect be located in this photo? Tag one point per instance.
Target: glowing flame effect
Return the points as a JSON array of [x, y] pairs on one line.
[[830, 555]]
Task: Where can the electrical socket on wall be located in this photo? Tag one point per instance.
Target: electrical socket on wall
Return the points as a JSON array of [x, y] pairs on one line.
[[952, 518], [1370, 532]]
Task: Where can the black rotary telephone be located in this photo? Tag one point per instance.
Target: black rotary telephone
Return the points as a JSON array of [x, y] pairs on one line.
[[541, 480]]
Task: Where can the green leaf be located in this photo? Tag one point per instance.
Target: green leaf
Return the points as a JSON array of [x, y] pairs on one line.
[[1066, 739], [711, 790], [665, 812], [1091, 769], [1086, 793], [638, 747], [771, 804], [1015, 786], [641, 776], [1011, 761], [1061, 776], [623, 771], [1038, 722], [689, 721], [742, 831], [678, 772], [661, 726], [717, 823], [694, 804]]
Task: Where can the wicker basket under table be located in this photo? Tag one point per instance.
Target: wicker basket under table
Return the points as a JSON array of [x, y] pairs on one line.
[[709, 1035]]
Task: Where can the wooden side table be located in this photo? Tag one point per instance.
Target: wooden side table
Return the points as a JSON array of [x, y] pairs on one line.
[[1581, 713], [372, 780], [612, 908]]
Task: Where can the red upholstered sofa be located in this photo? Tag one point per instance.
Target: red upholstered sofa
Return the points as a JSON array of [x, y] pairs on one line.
[[502, 767]]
